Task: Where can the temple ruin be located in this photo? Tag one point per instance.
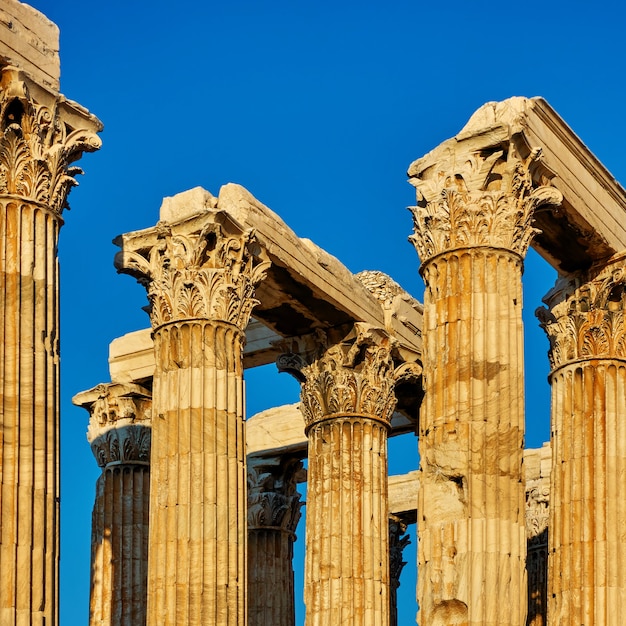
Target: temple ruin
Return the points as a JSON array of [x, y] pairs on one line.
[[196, 507]]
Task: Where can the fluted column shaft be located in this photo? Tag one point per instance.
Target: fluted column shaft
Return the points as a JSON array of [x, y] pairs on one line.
[[587, 569], [196, 571], [347, 553], [36, 148], [471, 501], [347, 401], [537, 466], [273, 514], [29, 374], [476, 199], [119, 433], [119, 546], [200, 273]]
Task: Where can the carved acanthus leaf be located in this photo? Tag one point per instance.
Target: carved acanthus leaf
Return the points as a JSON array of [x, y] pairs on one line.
[[355, 376], [126, 443], [37, 146], [484, 198], [587, 317], [273, 500], [210, 274]]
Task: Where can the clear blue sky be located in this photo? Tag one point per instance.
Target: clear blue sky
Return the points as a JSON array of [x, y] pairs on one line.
[[317, 108]]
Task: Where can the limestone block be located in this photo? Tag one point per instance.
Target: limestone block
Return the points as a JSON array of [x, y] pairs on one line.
[[30, 41]]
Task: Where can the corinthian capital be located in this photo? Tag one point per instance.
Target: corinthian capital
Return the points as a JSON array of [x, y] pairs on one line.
[[273, 500], [205, 267], [476, 195], [354, 376], [120, 422], [41, 135], [586, 315]]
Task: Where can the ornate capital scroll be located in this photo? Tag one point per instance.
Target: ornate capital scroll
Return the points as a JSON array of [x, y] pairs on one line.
[[41, 135], [120, 424], [354, 376], [476, 197], [273, 500], [586, 315], [204, 268]]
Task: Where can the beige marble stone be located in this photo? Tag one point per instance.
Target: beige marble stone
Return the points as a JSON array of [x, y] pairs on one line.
[[30, 41], [41, 136], [473, 224], [200, 274], [347, 402], [273, 514], [587, 332], [119, 435]]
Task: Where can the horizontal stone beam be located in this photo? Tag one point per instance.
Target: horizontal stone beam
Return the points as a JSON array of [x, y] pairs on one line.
[[30, 41], [306, 290]]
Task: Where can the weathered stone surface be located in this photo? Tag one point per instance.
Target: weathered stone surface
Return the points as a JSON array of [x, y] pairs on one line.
[[273, 514], [119, 434], [589, 224], [473, 225], [41, 136], [347, 402], [200, 275], [586, 327], [30, 41], [537, 467]]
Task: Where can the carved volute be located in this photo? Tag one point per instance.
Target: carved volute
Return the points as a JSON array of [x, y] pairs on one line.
[[204, 268], [273, 500], [41, 135], [355, 376], [585, 318], [476, 197], [120, 423]]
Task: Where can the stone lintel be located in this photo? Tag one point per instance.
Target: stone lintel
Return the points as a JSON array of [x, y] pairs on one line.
[[403, 489], [305, 288], [591, 223], [30, 41]]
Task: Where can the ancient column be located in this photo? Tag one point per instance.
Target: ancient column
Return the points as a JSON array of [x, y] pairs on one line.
[[200, 274], [273, 514], [537, 477], [397, 542], [119, 434], [587, 541], [472, 230], [41, 135], [347, 403]]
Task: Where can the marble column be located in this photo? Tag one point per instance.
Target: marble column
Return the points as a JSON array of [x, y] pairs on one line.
[[119, 434], [587, 540], [472, 231], [273, 514], [41, 135], [537, 464], [397, 542], [200, 274], [347, 402]]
